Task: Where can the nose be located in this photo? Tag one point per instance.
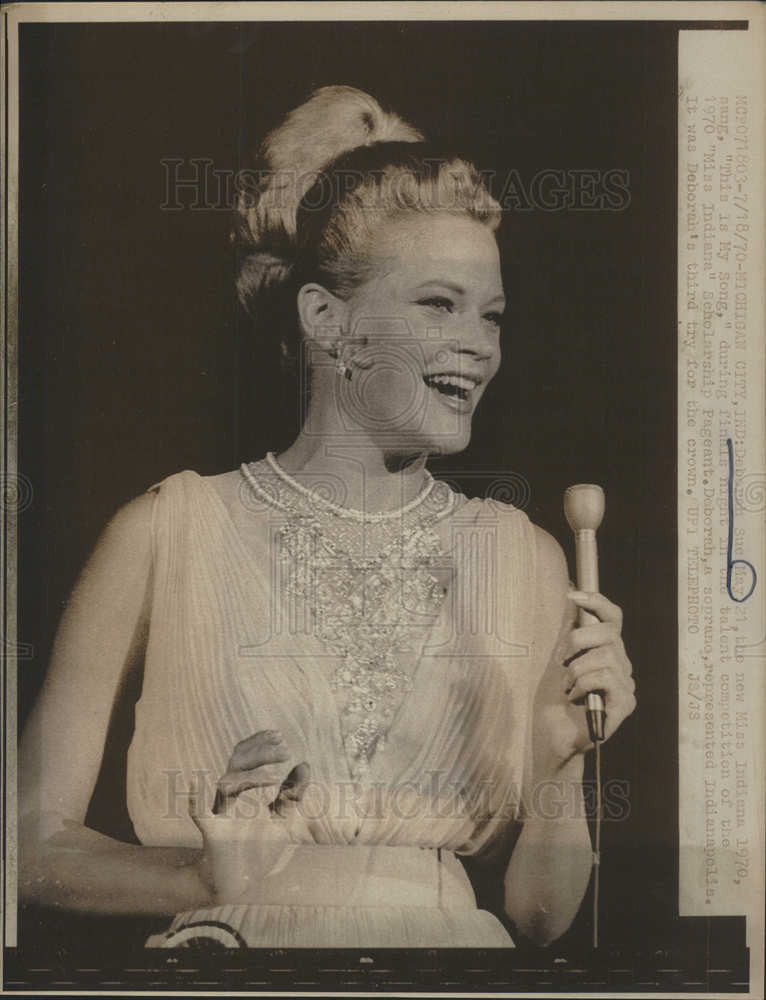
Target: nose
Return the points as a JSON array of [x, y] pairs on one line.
[[477, 340]]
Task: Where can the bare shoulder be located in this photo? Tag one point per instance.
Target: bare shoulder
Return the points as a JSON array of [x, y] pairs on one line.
[[131, 523], [125, 541], [551, 561], [133, 519]]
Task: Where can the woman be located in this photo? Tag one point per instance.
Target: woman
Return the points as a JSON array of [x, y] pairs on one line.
[[351, 673]]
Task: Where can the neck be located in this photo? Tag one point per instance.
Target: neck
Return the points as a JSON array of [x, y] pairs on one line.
[[368, 477], [371, 475]]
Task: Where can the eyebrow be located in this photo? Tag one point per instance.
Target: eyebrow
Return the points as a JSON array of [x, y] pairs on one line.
[[457, 289]]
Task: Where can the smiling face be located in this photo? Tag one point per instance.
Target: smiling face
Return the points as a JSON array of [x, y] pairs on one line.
[[428, 321]]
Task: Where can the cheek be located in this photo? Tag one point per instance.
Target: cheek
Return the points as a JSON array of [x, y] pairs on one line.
[[495, 363], [391, 387]]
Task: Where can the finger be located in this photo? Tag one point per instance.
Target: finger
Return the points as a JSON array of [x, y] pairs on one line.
[[595, 680], [252, 802], [292, 789], [596, 660], [617, 709], [622, 661], [589, 636], [597, 604], [262, 737], [613, 651], [588, 660], [266, 747], [234, 782], [602, 680], [618, 712], [295, 783], [230, 792], [265, 741]]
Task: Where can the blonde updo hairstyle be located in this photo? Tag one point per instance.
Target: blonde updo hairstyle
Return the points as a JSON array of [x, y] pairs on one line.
[[337, 167]]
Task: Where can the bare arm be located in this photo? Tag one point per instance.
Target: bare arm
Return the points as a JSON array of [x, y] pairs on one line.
[[550, 866], [101, 634], [551, 862]]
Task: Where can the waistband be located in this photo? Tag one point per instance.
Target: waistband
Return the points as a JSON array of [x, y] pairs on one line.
[[339, 875]]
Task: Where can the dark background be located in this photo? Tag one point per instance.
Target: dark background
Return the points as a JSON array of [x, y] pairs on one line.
[[135, 361]]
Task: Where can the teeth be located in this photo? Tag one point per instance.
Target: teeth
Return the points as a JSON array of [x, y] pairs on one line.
[[459, 381]]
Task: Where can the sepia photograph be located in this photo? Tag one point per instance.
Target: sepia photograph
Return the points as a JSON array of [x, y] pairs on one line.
[[383, 469]]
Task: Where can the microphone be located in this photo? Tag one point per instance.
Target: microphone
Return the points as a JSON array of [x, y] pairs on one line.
[[584, 510]]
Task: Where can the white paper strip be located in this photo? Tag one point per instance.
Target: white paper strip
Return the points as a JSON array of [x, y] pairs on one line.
[[722, 569]]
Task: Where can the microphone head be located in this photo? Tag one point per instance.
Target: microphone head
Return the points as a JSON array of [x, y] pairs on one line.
[[584, 506]]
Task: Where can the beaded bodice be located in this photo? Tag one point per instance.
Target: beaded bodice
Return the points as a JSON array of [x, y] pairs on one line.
[[371, 585]]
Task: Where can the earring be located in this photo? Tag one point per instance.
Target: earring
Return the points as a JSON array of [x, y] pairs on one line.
[[342, 369]]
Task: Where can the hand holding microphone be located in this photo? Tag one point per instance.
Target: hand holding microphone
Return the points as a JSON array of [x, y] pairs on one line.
[[584, 509], [600, 670]]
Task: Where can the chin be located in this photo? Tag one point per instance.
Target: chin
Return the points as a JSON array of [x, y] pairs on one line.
[[447, 444], [430, 444], [442, 448], [431, 436]]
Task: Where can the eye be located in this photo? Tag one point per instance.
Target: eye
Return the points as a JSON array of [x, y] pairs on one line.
[[495, 318], [437, 302]]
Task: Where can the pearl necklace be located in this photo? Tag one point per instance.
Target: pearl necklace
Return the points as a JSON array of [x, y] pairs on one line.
[[338, 509], [367, 581]]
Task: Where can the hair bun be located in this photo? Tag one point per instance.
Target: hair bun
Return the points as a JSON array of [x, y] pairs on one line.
[[333, 121], [259, 272]]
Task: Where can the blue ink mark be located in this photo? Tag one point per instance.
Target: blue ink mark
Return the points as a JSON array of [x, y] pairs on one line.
[[730, 563]]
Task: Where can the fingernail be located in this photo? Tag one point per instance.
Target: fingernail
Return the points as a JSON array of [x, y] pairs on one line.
[[578, 595]]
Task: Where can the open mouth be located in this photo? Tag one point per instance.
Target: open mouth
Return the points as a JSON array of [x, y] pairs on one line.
[[449, 384]]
